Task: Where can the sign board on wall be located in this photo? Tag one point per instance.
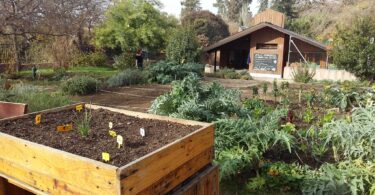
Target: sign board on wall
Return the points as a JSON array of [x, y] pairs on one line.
[[265, 62]]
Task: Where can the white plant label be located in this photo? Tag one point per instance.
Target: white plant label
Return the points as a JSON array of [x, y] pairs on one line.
[[142, 132], [110, 125], [120, 141]]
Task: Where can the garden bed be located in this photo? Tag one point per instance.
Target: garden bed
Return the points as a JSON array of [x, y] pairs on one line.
[[69, 163]]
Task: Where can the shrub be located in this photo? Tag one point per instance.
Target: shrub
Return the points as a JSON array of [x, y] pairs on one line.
[[165, 72], [303, 74], [354, 48], [90, 59], [81, 85], [189, 99], [127, 77], [124, 61], [59, 73], [36, 99], [231, 74], [183, 47]]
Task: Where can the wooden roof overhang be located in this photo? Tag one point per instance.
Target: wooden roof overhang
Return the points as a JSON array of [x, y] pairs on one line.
[[257, 27]]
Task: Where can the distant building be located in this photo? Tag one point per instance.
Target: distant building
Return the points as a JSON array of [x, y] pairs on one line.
[[266, 48]]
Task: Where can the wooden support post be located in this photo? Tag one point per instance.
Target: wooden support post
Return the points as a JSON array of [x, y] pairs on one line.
[[215, 61], [2, 186], [290, 38]]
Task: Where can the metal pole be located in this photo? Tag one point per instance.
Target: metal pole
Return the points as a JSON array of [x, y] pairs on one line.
[[299, 51]]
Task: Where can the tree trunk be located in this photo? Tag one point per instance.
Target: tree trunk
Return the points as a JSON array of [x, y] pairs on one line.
[[17, 62]]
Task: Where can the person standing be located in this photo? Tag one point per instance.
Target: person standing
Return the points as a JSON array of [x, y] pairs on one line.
[[139, 58]]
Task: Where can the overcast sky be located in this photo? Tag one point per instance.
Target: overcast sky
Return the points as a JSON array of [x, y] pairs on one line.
[[174, 6]]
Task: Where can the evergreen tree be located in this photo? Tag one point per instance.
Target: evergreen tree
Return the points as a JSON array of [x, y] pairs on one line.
[[263, 5], [221, 8], [189, 6], [354, 48], [288, 7], [235, 10]]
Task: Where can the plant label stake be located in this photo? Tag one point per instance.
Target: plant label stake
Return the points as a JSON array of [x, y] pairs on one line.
[[120, 141], [142, 132], [106, 157], [110, 125], [112, 133], [65, 128], [38, 119], [79, 108]]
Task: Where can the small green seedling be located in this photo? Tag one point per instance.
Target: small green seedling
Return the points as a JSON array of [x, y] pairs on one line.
[[83, 124]]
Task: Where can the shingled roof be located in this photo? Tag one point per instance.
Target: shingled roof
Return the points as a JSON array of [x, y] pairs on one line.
[[257, 27]]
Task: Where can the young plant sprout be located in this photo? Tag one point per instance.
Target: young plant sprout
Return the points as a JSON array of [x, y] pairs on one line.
[[83, 124]]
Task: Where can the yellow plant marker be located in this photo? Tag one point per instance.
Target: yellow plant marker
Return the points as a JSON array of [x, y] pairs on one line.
[[120, 141], [79, 108], [112, 133], [106, 157], [38, 119], [65, 128]]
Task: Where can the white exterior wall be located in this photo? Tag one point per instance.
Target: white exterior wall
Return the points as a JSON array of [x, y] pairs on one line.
[[324, 74]]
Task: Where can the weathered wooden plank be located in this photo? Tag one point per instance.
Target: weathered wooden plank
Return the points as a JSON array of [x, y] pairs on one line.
[[44, 111], [149, 116], [177, 176], [2, 186], [205, 183], [153, 167], [53, 170]]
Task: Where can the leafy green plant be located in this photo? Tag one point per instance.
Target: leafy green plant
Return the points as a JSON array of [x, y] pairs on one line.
[[82, 85], [308, 116], [35, 98], [303, 74], [90, 59], [127, 77], [275, 90], [83, 123], [241, 143], [124, 61], [264, 88], [190, 99], [165, 72], [228, 73], [352, 139], [255, 90], [183, 47]]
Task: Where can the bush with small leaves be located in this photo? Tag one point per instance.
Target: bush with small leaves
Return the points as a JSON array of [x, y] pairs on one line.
[[81, 85]]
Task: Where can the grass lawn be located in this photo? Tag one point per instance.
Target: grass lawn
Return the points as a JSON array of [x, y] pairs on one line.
[[97, 72]]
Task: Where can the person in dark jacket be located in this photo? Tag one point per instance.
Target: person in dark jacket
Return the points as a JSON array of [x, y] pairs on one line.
[[139, 58]]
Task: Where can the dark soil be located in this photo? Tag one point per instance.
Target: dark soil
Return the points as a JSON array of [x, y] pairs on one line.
[[158, 134]]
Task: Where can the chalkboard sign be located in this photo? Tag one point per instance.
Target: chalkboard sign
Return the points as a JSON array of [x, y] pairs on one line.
[[265, 62]]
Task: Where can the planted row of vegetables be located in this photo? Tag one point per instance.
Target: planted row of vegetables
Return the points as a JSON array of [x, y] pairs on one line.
[[310, 141]]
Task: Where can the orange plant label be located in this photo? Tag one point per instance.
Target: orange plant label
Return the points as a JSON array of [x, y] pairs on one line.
[[38, 119], [65, 128]]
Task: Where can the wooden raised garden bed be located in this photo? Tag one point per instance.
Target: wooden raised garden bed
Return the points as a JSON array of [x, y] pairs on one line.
[[44, 161]]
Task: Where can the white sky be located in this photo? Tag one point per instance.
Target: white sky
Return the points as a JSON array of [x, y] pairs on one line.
[[174, 6]]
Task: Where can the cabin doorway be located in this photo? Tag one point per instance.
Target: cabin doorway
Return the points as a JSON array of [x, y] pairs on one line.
[[239, 59]]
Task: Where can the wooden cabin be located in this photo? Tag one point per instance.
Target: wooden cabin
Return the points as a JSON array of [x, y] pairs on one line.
[[266, 48]]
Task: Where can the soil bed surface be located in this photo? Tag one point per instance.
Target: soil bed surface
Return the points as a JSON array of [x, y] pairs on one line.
[[158, 134]]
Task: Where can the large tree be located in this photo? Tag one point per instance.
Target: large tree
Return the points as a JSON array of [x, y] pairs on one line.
[[207, 25], [189, 6], [133, 24], [354, 48], [24, 20], [237, 11]]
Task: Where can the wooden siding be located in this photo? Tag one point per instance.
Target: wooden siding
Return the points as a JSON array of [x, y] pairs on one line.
[[309, 52], [270, 16], [267, 36]]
